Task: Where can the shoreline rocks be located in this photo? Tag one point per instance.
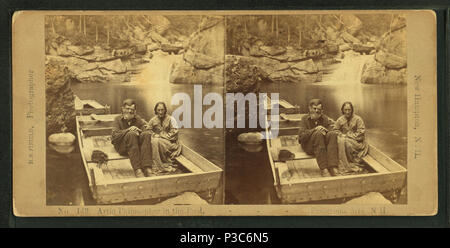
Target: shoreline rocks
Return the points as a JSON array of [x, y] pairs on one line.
[[60, 106], [374, 72], [203, 57]]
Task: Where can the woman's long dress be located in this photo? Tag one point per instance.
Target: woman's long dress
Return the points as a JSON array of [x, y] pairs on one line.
[[166, 147], [356, 146]]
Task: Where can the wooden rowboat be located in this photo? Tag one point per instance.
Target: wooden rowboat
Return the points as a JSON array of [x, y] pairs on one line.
[[298, 179], [115, 181], [87, 107]]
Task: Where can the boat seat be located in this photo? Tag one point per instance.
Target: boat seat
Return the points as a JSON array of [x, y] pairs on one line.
[[374, 164], [188, 164]]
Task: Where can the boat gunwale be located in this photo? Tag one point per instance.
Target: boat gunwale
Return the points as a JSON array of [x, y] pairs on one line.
[[339, 178], [154, 178], [83, 158]]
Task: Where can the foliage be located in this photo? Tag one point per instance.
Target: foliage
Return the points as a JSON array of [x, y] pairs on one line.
[[298, 31], [114, 31]]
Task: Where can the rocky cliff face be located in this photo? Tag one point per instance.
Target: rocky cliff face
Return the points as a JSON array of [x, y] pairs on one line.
[[127, 53], [96, 64], [60, 107], [203, 57], [390, 61], [333, 38]]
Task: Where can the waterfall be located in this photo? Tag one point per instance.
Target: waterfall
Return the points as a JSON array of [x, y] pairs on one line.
[[158, 69], [349, 71]]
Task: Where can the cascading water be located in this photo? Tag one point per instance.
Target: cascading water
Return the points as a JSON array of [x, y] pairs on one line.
[[158, 69], [349, 71]]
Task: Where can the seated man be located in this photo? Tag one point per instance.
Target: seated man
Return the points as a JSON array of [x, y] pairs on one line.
[[317, 138], [130, 139], [165, 144], [351, 127]]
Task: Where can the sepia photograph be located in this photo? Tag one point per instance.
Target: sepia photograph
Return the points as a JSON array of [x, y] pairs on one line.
[[341, 129], [110, 87], [224, 113]]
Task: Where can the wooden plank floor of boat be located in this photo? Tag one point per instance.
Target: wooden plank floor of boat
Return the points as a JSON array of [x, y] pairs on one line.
[[118, 166], [290, 143], [297, 170], [102, 143]]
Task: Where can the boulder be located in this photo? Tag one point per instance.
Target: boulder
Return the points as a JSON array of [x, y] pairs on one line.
[[371, 198], [201, 61], [255, 51], [153, 47], [296, 55], [307, 66], [282, 67], [170, 48], [374, 72], [209, 22], [395, 76], [332, 48], [280, 58], [156, 37], [91, 76], [245, 51], [140, 48], [331, 33], [363, 49], [203, 55], [273, 50], [89, 67], [187, 198], [390, 60], [212, 76], [344, 47], [63, 51], [395, 42], [352, 23], [251, 147], [242, 75], [349, 38], [267, 65], [62, 142], [250, 138], [182, 72], [79, 50], [287, 76], [159, 23], [115, 65], [210, 38], [399, 22]]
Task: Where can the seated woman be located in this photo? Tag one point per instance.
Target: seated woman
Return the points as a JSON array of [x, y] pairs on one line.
[[164, 141], [352, 132]]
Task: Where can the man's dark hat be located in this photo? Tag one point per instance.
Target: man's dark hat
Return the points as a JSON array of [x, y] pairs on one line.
[[315, 101]]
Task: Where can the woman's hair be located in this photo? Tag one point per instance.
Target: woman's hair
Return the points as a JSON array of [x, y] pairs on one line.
[[347, 103], [160, 103]]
